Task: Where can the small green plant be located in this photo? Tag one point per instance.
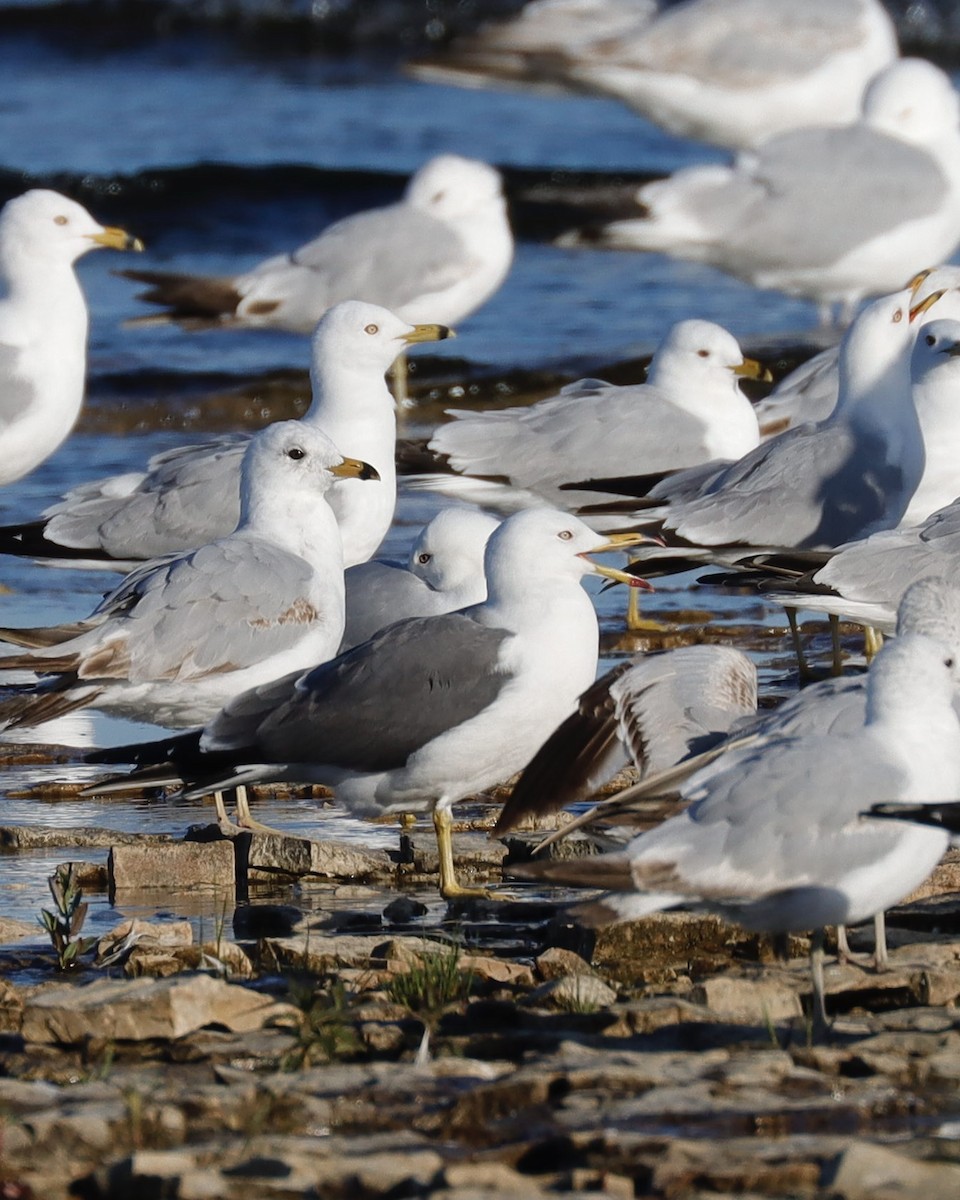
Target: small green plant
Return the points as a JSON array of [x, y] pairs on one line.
[[327, 1032], [65, 924], [433, 984]]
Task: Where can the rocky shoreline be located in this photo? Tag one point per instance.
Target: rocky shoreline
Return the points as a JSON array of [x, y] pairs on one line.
[[386, 1045]]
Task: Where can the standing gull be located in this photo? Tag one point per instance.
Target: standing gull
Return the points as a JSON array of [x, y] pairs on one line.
[[178, 638], [774, 837], [730, 72], [437, 254], [429, 710], [43, 323], [690, 410], [444, 572], [191, 495], [831, 214]]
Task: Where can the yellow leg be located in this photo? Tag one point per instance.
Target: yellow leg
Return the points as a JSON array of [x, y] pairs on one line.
[[872, 642], [222, 819], [636, 622], [449, 888], [246, 819]]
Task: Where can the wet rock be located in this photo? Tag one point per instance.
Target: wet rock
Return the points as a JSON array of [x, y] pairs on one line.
[[92, 877], [870, 1172], [272, 854], [34, 837], [254, 921], [123, 937], [11, 1007], [141, 1009], [403, 910], [178, 865]]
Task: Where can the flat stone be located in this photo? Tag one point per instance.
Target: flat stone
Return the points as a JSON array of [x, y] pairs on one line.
[[944, 878], [867, 1171], [141, 1009], [748, 1000], [176, 866], [136, 932], [272, 854], [34, 837], [496, 970]]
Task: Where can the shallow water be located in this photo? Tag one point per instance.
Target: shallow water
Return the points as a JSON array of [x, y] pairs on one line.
[[219, 156]]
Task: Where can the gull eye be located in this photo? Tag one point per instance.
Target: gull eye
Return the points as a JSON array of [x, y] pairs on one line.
[[898, 316], [948, 662], [371, 329], [703, 353], [424, 558], [296, 453], [565, 535], [930, 340], [61, 220]]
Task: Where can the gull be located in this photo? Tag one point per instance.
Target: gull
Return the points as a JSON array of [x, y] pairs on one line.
[[43, 323], [689, 410], [831, 214], [178, 638], [823, 484], [729, 72], [774, 837], [191, 495], [436, 255], [443, 572], [431, 709]]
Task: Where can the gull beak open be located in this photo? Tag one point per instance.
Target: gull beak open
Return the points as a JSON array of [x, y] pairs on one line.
[[925, 303], [116, 239], [751, 369], [913, 285], [620, 542], [427, 333], [354, 468]]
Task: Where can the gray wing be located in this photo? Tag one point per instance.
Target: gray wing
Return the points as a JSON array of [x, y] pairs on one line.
[[776, 819], [831, 706], [187, 497], [813, 486], [227, 606], [387, 256], [17, 394], [808, 393], [377, 595], [375, 705], [616, 431], [826, 191], [706, 40]]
